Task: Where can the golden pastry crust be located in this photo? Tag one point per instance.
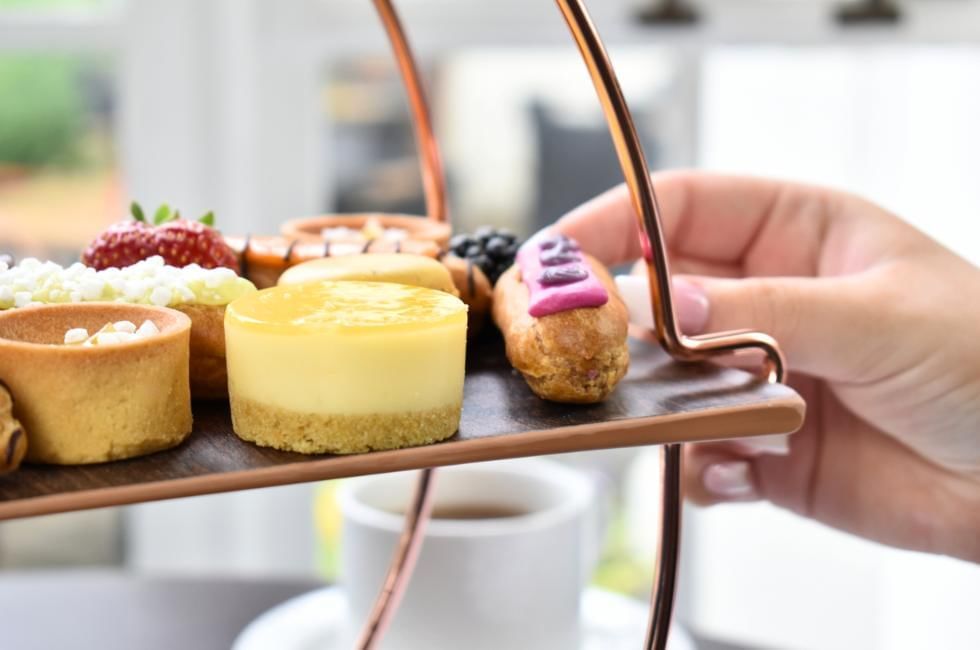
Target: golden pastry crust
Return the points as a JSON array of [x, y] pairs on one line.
[[208, 367], [89, 405], [311, 433], [13, 440], [574, 356], [474, 289]]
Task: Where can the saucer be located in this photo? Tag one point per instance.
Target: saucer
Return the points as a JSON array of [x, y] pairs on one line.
[[316, 621]]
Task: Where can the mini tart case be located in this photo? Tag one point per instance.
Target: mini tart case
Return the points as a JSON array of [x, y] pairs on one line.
[[421, 228], [105, 402]]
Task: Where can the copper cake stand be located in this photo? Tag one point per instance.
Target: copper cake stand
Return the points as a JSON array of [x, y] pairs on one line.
[[678, 346], [660, 401]]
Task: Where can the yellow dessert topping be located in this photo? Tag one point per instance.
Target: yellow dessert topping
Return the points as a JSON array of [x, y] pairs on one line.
[[345, 305]]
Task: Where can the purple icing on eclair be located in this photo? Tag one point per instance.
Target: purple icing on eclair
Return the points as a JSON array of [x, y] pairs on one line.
[[557, 276]]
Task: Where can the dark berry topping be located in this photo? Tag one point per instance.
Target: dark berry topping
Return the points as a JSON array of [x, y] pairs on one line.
[[483, 261], [484, 233], [488, 248], [497, 247], [461, 242], [562, 275]]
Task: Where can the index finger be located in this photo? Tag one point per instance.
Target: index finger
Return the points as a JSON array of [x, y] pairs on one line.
[[711, 217]]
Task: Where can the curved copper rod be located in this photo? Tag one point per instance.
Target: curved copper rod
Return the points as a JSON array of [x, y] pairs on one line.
[[433, 178], [402, 563], [633, 162], [433, 181], [637, 174], [665, 564]]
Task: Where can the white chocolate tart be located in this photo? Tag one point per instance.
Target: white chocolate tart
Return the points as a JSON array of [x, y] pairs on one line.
[[94, 403], [346, 367], [200, 293]]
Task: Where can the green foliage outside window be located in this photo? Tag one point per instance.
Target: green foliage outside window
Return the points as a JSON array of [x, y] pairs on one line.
[[42, 111]]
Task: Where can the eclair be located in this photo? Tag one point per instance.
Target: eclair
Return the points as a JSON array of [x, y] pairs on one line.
[[563, 322]]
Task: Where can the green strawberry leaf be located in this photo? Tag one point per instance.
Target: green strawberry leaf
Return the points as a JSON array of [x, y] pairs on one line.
[[208, 219], [162, 215], [137, 211]]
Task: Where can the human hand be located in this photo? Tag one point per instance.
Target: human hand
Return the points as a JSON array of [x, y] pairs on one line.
[[881, 329]]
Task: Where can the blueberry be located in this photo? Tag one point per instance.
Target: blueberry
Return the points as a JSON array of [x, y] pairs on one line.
[[484, 233], [497, 247], [490, 249], [485, 263], [459, 243]]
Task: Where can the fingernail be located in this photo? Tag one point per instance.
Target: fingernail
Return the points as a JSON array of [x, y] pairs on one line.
[[731, 480], [690, 305], [777, 445]]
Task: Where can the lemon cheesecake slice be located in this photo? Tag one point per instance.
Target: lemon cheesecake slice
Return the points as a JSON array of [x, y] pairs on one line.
[[345, 367]]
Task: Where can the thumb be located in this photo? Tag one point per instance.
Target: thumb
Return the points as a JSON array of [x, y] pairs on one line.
[[821, 324]]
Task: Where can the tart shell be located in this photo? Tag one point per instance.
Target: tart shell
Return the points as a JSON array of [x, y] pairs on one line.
[[93, 404], [309, 228], [208, 366]]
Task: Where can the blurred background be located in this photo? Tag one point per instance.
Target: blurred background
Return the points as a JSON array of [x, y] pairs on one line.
[[268, 109]]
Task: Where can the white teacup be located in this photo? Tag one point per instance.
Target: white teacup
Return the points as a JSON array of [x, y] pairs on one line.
[[483, 581]]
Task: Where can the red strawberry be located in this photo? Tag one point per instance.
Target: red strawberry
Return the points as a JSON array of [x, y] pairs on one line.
[[122, 244], [183, 242], [178, 241]]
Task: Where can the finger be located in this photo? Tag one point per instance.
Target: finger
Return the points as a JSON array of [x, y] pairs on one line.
[[713, 218], [718, 473], [824, 326]]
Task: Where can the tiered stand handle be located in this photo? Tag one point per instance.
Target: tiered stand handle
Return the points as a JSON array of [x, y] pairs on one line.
[[680, 347]]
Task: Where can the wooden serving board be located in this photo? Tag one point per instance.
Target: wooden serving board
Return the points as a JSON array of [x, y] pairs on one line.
[[659, 401]]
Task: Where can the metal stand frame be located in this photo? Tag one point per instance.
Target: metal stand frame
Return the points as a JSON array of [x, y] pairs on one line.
[[680, 347]]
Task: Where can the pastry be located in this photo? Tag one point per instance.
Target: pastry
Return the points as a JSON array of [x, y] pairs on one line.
[[474, 289], [264, 259], [359, 228], [200, 293], [345, 367], [416, 270], [13, 440], [88, 404], [563, 323]]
